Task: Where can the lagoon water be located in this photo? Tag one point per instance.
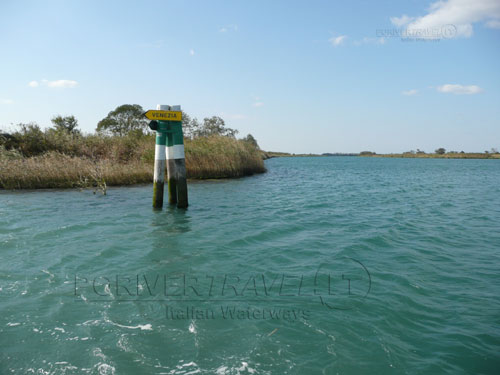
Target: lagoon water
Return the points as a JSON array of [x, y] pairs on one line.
[[335, 265]]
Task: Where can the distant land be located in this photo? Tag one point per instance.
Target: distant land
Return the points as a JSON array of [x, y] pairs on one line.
[[493, 154], [274, 154], [439, 154]]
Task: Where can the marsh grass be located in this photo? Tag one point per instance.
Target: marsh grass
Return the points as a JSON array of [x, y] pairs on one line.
[[221, 157], [55, 170], [68, 161]]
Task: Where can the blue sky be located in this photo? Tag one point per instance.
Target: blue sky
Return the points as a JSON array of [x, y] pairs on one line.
[[318, 76]]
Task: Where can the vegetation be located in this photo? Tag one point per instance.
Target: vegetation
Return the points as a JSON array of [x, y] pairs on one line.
[[218, 156], [440, 151], [66, 124], [121, 152], [123, 120]]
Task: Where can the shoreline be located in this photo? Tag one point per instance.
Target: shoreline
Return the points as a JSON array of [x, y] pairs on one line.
[[466, 155], [449, 155]]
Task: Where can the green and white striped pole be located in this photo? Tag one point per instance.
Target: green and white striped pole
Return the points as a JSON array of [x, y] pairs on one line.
[[172, 183], [177, 182], [159, 172], [167, 122]]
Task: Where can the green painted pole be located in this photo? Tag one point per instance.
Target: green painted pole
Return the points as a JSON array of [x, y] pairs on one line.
[[180, 167], [177, 183], [171, 171], [159, 172]]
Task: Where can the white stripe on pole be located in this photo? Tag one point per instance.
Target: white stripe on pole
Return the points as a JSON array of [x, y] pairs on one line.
[[159, 152], [170, 153], [159, 174], [175, 152], [178, 151]]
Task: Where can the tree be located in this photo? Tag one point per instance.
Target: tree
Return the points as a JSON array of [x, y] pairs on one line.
[[31, 139], [123, 120], [250, 139], [440, 151], [190, 126], [67, 124], [215, 126]]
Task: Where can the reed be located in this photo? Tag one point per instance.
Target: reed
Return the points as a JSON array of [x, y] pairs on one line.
[[221, 157], [96, 161]]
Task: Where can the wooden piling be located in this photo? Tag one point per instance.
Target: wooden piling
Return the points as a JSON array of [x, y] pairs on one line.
[[169, 151], [176, 152], [159, 171], [171, 170]]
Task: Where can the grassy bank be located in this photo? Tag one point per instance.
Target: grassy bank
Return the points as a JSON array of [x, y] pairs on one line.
[[36, 159], [448, 155]]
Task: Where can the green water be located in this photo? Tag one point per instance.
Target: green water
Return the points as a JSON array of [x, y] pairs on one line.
[[335, 265]]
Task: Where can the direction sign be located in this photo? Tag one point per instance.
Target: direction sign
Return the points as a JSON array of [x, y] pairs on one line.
[[164, 115]]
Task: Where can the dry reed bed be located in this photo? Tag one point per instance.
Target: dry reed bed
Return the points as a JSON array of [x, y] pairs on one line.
[[122, 161]]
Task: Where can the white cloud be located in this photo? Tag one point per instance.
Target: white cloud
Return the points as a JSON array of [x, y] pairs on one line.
[[225, 29], [410, 92], [58, 84], [6, 101], [191, 52], [459, 89], [337, 40], [62, 84], [452, 18], [257, 101], [401, 21]]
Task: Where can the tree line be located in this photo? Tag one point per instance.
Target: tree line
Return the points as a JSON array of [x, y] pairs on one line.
[[129, 118], [126, 120]]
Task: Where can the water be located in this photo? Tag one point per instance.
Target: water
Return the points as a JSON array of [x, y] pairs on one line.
[[369, 266]]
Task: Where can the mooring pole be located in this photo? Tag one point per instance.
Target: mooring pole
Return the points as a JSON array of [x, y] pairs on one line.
[[176, 163], [167, 122], [167, 127], [171, 172], [159, 172], [180, 166]]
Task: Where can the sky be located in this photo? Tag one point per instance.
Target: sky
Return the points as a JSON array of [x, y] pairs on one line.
[[302, 77]]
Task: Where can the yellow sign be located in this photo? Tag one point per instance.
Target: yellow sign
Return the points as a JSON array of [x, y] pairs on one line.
[[164, 115]]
